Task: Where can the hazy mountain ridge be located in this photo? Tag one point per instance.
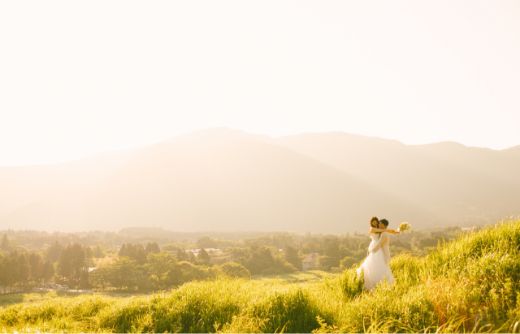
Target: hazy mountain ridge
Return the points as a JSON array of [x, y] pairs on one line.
[[222, 179], [457, 182]]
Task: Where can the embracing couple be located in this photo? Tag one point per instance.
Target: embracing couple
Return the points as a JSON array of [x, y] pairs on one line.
[[376, 266]]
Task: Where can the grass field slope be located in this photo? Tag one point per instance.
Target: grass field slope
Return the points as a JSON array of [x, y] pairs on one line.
[[468, 285]]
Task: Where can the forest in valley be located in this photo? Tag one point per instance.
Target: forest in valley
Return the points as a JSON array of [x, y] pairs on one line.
[[147, 260]]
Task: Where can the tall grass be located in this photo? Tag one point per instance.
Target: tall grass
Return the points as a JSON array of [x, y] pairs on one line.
[[469, 285]]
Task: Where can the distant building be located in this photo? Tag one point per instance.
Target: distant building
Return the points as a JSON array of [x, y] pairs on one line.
[[210, 251], [311, 261]]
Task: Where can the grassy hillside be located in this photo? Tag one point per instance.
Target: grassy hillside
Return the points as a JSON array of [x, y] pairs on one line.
[[471, 284]]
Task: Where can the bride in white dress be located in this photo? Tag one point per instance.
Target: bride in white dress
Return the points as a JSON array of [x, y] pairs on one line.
[[376, 266]]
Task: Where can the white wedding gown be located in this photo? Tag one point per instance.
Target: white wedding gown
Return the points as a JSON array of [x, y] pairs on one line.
[[376, 266]]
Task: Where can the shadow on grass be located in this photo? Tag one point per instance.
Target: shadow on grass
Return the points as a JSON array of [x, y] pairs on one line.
[[297, 277], [11, 298]]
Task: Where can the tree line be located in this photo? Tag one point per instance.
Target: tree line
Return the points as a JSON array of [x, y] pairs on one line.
[[151, 266]]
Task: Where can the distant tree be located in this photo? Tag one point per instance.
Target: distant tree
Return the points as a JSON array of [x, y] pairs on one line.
[[163, 271], [332, 253], [48, 271], [133, 251], [207, 242], [21, 268], [97, 252], [191, 257], [347, 262], [152, 247], [203, 257], [89, 254], [5, 245], [54, 252], [292, 256], [124, 274], [83, 281], [191, 272], [263, 262], [428, 242], [4, 273], [35, 267], [8, 273], [239, 254], [233, 269], [181, 255], [72, 264]]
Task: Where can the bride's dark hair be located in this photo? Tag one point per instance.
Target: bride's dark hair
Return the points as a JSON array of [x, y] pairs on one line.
[[372, 220]]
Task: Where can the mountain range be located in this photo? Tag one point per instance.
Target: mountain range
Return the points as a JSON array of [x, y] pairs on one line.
[[228, 180]]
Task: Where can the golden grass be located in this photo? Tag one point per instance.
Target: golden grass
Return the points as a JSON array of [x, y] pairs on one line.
[[469, 285]]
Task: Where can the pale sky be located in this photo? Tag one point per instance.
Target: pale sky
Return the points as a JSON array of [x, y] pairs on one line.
[[80, 77]]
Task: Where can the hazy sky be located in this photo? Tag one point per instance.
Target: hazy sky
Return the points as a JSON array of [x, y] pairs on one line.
[[78, 77]]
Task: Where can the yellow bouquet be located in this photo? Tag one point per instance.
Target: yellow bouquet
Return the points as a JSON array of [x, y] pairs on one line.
[[404, 226]]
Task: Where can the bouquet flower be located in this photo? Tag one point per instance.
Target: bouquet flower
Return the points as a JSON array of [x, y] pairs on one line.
[[404, 226]]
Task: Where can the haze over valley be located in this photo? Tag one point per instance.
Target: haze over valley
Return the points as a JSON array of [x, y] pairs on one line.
[[222, 179]]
